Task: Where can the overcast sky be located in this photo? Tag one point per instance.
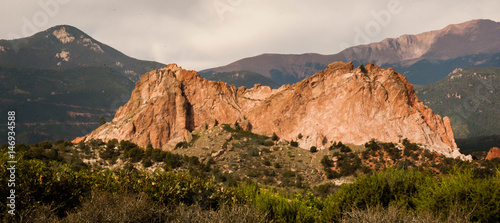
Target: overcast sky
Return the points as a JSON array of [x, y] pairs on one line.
[[203, 34]]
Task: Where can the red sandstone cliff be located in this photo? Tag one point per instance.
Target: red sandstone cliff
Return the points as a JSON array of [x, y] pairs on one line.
[[338, 103], [493, 153]]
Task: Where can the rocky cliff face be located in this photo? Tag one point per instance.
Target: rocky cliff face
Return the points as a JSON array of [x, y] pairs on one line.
[[337, 104], [493, 153]]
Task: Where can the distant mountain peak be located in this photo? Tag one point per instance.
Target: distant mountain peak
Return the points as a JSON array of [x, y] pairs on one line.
[[67, 30], [475, 22], [477, 26], [423, 58], [65, 46], [69, 34], [63, 36]]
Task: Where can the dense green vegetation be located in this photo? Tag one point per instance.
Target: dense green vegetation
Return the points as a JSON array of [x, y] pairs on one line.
[[53, 183], [61, 103], [469, 97]]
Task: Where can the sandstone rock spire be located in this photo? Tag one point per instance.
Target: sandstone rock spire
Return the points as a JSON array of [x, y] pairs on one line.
[[339, 103]]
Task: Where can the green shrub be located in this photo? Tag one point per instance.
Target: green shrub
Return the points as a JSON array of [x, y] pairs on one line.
[[109, 153], [409, 148], [126, 145], [345, 149], [326, 162], [282, 209], [103, 206], [45, 184], [112, 143], [339, 145], [294, 143], [372, 145], [134, 154], [172, 161], [313, 149], [363, 69], [277, 165], [395, 213], [365, 154], [242, 133], [268, 143], [158, 155], [415, 156], [331, 174], [391, 186], [96, 143], [275, 137], [43, 145], [429, 155], [63, 143], [323, 190], [181, 145], [348, 164], [252, 151], [148, 151], [267, 163], [460, 188], [227, 213], [390, 148], [147, 162]]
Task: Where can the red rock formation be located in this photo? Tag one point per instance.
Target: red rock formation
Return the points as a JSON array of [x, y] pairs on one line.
[[493, 153], [337, 104]]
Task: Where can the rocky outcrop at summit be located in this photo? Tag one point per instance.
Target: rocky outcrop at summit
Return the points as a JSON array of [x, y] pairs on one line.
[[337, 104]]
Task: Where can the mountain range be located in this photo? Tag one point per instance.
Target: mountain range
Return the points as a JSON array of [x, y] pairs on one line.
[[423, 58], [61, 81]]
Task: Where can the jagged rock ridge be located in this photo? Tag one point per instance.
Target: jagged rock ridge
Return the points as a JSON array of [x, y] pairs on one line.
[[338, 103]]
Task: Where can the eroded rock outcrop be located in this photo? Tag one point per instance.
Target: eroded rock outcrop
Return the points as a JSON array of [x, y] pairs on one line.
[[493, 153], [337, 104]]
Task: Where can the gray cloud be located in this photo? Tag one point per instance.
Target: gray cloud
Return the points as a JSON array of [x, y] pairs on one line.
[[202, 34]]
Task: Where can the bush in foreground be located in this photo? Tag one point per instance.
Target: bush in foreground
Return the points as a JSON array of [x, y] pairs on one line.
[[400, 214], [59, 191], [103, 206]]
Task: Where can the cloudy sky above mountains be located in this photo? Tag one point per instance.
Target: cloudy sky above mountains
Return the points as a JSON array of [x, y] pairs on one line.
[[202, 34]]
